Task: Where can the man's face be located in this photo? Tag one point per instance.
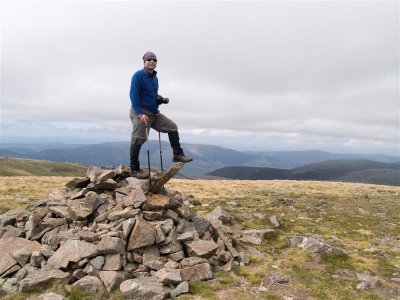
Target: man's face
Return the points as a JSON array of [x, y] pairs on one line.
[[150, 64]]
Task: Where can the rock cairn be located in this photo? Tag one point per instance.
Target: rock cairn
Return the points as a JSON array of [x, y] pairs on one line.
[[103, 232]]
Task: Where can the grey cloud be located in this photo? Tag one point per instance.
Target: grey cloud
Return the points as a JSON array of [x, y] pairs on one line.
[[324, 69]]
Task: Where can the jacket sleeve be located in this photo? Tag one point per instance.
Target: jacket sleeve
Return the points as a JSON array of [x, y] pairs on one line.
[[134, 94]]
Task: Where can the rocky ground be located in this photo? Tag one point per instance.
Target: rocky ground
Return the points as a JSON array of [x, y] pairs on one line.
[[103, 237], [102, 233]]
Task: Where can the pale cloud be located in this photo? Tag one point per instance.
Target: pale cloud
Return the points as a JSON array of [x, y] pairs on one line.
[[308, 74]]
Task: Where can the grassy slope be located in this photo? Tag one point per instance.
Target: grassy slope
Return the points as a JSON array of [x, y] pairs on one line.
[[26, 167], [364, 217]]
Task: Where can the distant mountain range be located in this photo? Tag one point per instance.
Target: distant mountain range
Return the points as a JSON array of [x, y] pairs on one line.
[[364, 171], [206, 157]]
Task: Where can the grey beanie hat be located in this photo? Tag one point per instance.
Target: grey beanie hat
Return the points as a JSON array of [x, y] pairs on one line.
[[148, 55]]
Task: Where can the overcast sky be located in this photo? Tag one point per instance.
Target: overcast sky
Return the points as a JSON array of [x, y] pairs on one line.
[[263, 75]]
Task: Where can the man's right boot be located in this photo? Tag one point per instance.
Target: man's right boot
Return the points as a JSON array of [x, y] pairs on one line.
[[178, 155], [136, 171]]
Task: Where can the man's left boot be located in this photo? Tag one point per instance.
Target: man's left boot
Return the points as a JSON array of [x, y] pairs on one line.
[[178, 155]]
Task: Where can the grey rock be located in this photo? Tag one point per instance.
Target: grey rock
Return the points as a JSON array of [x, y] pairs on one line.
[[192, 261], [155, 264], [10, 246], [93, 173], [168, 276], [91, 284], [143, 234], [127, 227], [172, 247], [152, 215], [143, 288], [42, 278], [157, 202], [37, 259], [126, 213], [187, 236], [60, 210], [136, 196], [111, 279], [77, 183], [108, 184], [105, 175], [176, 256], [80, 209], [111, 245], [123, 171], [98, 262], [197, 272], [219, 214], [33, 226], [47, 251], [243, 259], [150, 253], [201, 248], [160, 236], [224, 256], [113, 262], [11, 231], [316, 245], [10, 286], [134, 183], [201, 225], [72, 251], [6, 220], [10, 271], [184, 211], [57, 197], [22, 256], [52, 237], [181, 288], [167, 225], [170, 214], [274, 220]]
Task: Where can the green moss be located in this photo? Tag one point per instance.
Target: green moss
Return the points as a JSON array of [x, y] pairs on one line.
[[80, 294], [204, 289], [336, 260]]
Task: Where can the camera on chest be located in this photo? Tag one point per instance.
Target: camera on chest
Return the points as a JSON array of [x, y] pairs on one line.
[[161, 100]]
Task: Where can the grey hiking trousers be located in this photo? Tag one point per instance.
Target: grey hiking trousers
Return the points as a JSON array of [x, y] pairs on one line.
[[158, 122]]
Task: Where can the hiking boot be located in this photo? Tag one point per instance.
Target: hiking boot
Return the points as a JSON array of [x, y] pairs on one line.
[[181, 158], [140, 174]]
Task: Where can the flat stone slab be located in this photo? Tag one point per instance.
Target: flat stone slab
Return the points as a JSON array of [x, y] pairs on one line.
[[11, 245], [197, 272], [168, 276], [42, 277], [201, 248], [143, 288], [166, 177], [71, 251], [143, 234]]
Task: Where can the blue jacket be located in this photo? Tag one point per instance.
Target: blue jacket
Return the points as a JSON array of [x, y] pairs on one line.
[[144, 90]]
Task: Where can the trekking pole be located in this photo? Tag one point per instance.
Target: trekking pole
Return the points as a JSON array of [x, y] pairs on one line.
[[148, 154], [159, 142]]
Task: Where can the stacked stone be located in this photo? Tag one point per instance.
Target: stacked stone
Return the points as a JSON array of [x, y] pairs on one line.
[[103, 232]]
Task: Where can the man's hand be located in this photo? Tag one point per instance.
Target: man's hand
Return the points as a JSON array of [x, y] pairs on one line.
[[143, 118]]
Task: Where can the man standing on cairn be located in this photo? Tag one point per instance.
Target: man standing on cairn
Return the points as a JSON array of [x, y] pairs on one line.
[[144, 113]]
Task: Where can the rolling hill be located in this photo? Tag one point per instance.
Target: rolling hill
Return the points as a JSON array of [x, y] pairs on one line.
[[364, 171], [30, 167], [206, 157]]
